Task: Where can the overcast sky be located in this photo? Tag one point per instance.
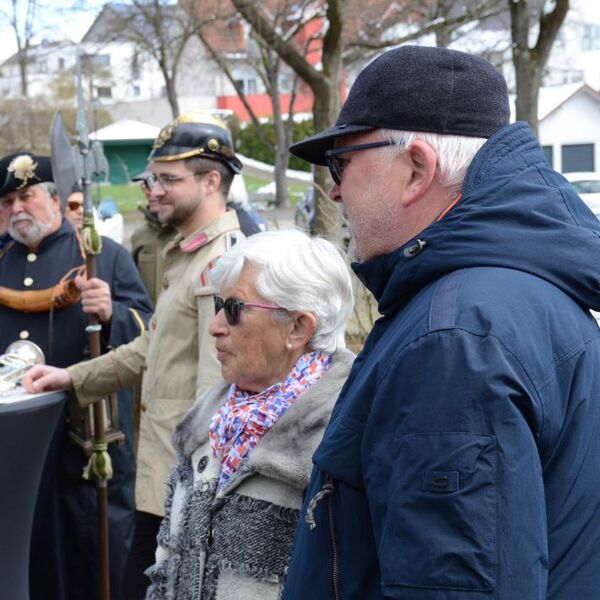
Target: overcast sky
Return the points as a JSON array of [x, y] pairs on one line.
[[60, 23]]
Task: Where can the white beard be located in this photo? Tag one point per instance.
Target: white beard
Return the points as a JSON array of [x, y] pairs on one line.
[[36, 233]]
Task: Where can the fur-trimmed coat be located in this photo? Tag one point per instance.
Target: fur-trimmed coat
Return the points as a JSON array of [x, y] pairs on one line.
[[236, 544]]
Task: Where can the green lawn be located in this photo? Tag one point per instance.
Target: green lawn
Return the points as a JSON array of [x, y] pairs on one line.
[[129, 196], [295, 190]]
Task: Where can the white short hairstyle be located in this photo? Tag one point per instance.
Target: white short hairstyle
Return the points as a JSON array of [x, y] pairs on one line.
[[298, 273], [454, 152]]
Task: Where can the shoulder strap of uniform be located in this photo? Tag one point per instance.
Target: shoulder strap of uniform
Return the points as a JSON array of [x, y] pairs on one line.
[[3, 251], [231, 239]]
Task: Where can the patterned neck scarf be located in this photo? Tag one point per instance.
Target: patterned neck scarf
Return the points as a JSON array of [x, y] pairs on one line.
[[243, 419]]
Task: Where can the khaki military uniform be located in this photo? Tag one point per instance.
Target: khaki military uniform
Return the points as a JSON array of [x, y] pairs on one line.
[[176, 356], [147, 244]]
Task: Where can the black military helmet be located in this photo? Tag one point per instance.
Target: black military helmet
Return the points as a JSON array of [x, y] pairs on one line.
[[195, 134], [22, 169]]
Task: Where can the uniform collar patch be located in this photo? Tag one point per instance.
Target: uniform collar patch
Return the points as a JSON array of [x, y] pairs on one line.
[[194, 243]]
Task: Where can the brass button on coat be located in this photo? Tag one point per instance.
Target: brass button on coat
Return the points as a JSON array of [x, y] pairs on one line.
[[27, 281], [31, 257], [24, 334]]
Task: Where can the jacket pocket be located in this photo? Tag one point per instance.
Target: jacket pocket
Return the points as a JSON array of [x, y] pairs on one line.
[[440, 529]]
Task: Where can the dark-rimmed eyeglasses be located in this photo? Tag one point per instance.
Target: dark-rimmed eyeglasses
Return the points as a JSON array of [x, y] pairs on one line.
[[337, 164], [167, 182], [233, 308]]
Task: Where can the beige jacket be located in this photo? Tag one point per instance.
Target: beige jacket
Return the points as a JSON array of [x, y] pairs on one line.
[[176, 356]]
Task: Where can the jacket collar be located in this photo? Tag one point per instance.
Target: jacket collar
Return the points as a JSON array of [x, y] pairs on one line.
[[516, 213], [285, 451], [225, 222]]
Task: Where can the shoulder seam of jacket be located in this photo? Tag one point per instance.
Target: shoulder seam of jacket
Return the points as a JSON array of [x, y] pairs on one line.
[[442, 312]]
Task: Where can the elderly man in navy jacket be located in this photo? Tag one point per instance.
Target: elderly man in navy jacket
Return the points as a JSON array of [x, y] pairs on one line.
[[42, 253], [462, 460]]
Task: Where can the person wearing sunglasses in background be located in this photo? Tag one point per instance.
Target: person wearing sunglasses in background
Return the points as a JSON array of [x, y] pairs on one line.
[[192, 163], [463, 460], [74, 209], [149, 239], [282, 301]]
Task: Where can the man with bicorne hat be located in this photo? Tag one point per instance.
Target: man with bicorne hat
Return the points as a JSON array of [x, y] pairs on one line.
[[45, 297], [192, 165]]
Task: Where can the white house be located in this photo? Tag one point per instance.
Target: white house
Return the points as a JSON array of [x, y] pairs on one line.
[[46, 62], [569, 127]]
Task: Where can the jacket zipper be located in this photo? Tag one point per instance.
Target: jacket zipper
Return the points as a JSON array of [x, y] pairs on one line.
[[334, 553]]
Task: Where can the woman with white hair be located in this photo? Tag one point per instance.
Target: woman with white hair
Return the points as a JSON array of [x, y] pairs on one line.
[[282, 301]]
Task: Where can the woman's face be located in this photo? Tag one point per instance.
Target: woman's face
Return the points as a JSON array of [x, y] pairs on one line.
[[74, 210], [253, 354]]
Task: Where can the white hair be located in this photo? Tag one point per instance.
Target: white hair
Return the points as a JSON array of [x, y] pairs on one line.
[[298, 273], [454, 152], [49, 187]]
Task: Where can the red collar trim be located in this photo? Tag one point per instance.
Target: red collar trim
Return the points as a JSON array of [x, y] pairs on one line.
[[194, 243]]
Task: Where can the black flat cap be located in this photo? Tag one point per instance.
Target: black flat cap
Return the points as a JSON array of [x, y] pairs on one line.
[[418, 88], [195, 134], [23, 169]]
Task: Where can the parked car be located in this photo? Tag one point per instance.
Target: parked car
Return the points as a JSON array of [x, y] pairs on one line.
[[304, 216], [587, 185]]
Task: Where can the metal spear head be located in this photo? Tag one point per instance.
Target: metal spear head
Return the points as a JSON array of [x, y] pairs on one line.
[[62, 158]]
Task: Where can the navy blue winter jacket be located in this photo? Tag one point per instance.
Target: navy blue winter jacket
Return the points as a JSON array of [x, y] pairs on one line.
[[462, 460]]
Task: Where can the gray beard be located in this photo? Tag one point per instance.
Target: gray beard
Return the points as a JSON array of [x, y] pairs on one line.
[[37, 232]]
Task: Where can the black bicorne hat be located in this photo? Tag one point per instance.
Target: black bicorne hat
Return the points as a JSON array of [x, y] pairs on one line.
[[418, 88], [195, 134], [23, 169]]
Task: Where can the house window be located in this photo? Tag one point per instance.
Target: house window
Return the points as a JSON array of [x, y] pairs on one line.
[[136, 90], [135, 66], [98, 60], [104, 92], [247, 85], [548, 154], [577, 157], [591, 37], [61, 64]]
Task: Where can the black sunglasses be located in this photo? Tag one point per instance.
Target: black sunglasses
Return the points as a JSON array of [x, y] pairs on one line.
[[336, 164], [233, 308], [74, 205]]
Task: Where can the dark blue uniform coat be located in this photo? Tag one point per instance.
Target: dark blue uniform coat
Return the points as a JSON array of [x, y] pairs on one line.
[[463, 455], [63, 540]]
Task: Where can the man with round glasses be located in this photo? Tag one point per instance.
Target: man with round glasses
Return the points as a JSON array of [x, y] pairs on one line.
[[462, 459], [192, 164]]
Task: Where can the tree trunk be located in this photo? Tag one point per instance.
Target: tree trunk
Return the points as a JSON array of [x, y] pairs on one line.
[[528, 80], [171, 94], [23, 72], [281, 154], [328, 217], [530, 62]]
